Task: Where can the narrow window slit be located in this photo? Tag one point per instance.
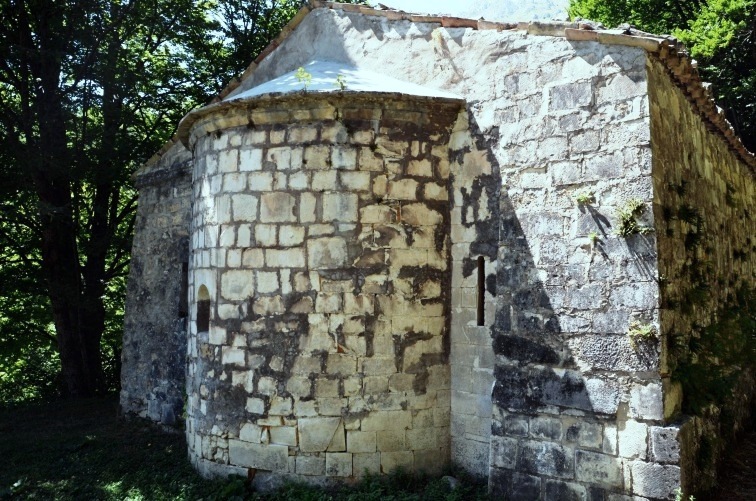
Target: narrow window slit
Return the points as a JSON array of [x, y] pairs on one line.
[[203, 309], [481, 290]]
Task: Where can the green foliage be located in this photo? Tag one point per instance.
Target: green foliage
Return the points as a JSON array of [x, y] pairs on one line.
[[627, 219], [720, 34], [679, 496], [341, 81], [585, 198], [88, 92], [303, 77], [718, 353], [715, 25], [640, 332]]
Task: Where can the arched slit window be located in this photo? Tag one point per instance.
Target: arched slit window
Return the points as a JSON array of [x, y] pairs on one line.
[[203, 309]]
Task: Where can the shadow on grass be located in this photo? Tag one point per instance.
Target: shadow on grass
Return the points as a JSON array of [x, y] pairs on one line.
[[81, 450]]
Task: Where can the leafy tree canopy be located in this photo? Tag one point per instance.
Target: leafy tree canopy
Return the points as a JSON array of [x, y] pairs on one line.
[[89, 90]]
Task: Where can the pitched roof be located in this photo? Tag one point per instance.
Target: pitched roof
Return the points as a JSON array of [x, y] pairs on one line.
[[681, 67]]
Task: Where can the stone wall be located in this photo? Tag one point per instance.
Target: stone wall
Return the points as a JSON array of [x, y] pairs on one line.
[[321, 232], [474, 209], [556, 118], [704, 202], [573, 399], [567, 173], [154, 341]]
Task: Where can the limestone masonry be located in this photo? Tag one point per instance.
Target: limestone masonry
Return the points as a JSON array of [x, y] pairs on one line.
[[412, 253]]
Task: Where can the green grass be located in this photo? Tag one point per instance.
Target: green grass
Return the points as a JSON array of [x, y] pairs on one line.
[[81, 450]]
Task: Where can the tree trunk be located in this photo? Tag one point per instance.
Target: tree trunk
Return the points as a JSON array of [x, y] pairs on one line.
[[78, 341], [78, 310]]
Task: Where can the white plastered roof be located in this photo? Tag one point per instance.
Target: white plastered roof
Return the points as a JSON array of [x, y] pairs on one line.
[[329, 76]]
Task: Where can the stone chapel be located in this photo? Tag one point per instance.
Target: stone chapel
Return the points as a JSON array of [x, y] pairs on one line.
[[413, 241]]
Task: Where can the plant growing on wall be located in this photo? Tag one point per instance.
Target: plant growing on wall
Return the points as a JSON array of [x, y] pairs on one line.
[[640, 332], [627, 219], [303, 77], [341, 82], [714, 356], [585, 198]]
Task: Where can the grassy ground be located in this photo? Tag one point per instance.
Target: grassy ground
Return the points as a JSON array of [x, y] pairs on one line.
[[82, 450]]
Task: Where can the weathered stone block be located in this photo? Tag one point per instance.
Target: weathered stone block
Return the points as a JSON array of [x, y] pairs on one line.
[[324, 180], [390, 440], [377, 214], [397, 421], [420, 168], [339, 207], [232, 356], [285, 258], [546, 427], [361, 441], [545, 458], [228, 161], [316, 434], [284, 435], [260, 181], [344, 157], [261, 456], [251, 433], [317, 157], [290, 235], [632, 439], [570, 96], [563, 491], [403, 189], [596, 468], [646, 401], [310, 465], [503, 452], [355, 181], [420, 214], [237, 284], [339, 464], [514, 486], [244, 207], [276, 207], [267, 281], [234, 182], [252, 258], [366, 464], [665, 447], [585, 433], [422, 438], [324, 253], [250, 159], [654, 480], [280, 406]]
